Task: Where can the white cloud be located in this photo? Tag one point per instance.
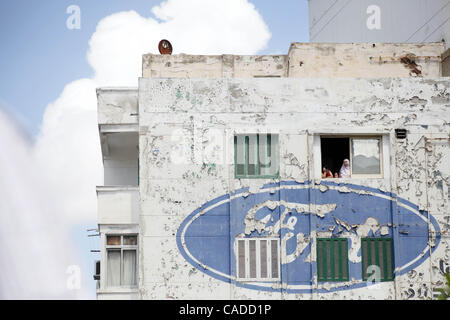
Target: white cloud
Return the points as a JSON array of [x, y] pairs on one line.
[[67, 150], [194, 27], [68, 145], [34, 245]]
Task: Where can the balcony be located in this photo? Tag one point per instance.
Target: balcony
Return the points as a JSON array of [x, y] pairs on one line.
[[117, 106], [118, 199], [118, 204]]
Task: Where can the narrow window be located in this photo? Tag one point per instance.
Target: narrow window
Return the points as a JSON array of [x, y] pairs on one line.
[[378, 253], [258, 259], [332, 259], [263, 257], [256, 156], [129, 267], [252, 249], [274, 255], [121, 264], [241, 258], [113, 266]]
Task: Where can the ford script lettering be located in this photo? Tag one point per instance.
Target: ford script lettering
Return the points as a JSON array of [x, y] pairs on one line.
[[291, 217]]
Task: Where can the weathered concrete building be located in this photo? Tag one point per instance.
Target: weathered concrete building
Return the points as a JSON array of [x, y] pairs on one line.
[[213, 175]]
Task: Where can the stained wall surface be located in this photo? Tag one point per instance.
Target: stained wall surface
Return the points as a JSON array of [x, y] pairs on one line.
[[193, 209], [307, 60]]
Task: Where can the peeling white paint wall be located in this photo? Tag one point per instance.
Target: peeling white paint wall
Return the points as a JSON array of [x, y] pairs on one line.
[[298, 110], [181, 119]]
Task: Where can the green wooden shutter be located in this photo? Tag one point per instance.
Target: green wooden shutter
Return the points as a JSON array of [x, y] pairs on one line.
[[249, 170], [379, 252], [332, 259]]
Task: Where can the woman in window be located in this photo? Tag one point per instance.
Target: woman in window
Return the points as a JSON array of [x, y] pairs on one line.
[[326, 173], [345, 171]]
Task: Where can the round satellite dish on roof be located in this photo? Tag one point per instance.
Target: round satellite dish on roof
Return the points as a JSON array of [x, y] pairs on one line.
[[165, 47]]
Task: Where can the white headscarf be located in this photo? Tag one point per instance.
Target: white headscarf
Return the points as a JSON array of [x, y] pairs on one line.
[[345, 172]]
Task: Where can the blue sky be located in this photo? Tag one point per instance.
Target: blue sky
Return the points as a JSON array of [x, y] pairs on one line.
[[40, 55]]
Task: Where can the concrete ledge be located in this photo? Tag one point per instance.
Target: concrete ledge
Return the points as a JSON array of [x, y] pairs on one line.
[[118, 205], [117, 105]]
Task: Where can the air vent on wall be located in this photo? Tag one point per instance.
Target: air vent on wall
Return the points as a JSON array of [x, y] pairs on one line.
[[400, 133]]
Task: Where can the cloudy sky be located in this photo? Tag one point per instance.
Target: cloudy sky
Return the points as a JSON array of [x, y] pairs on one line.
[[50, 160]]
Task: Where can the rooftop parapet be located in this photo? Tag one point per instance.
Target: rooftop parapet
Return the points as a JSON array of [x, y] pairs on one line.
[[218, 66], [307, 60], [365, 60]]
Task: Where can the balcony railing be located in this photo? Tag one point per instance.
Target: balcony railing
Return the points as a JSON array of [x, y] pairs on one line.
[[118, 204]]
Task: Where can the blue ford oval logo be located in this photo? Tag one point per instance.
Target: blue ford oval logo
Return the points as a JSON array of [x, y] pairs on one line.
[[288, 219]]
